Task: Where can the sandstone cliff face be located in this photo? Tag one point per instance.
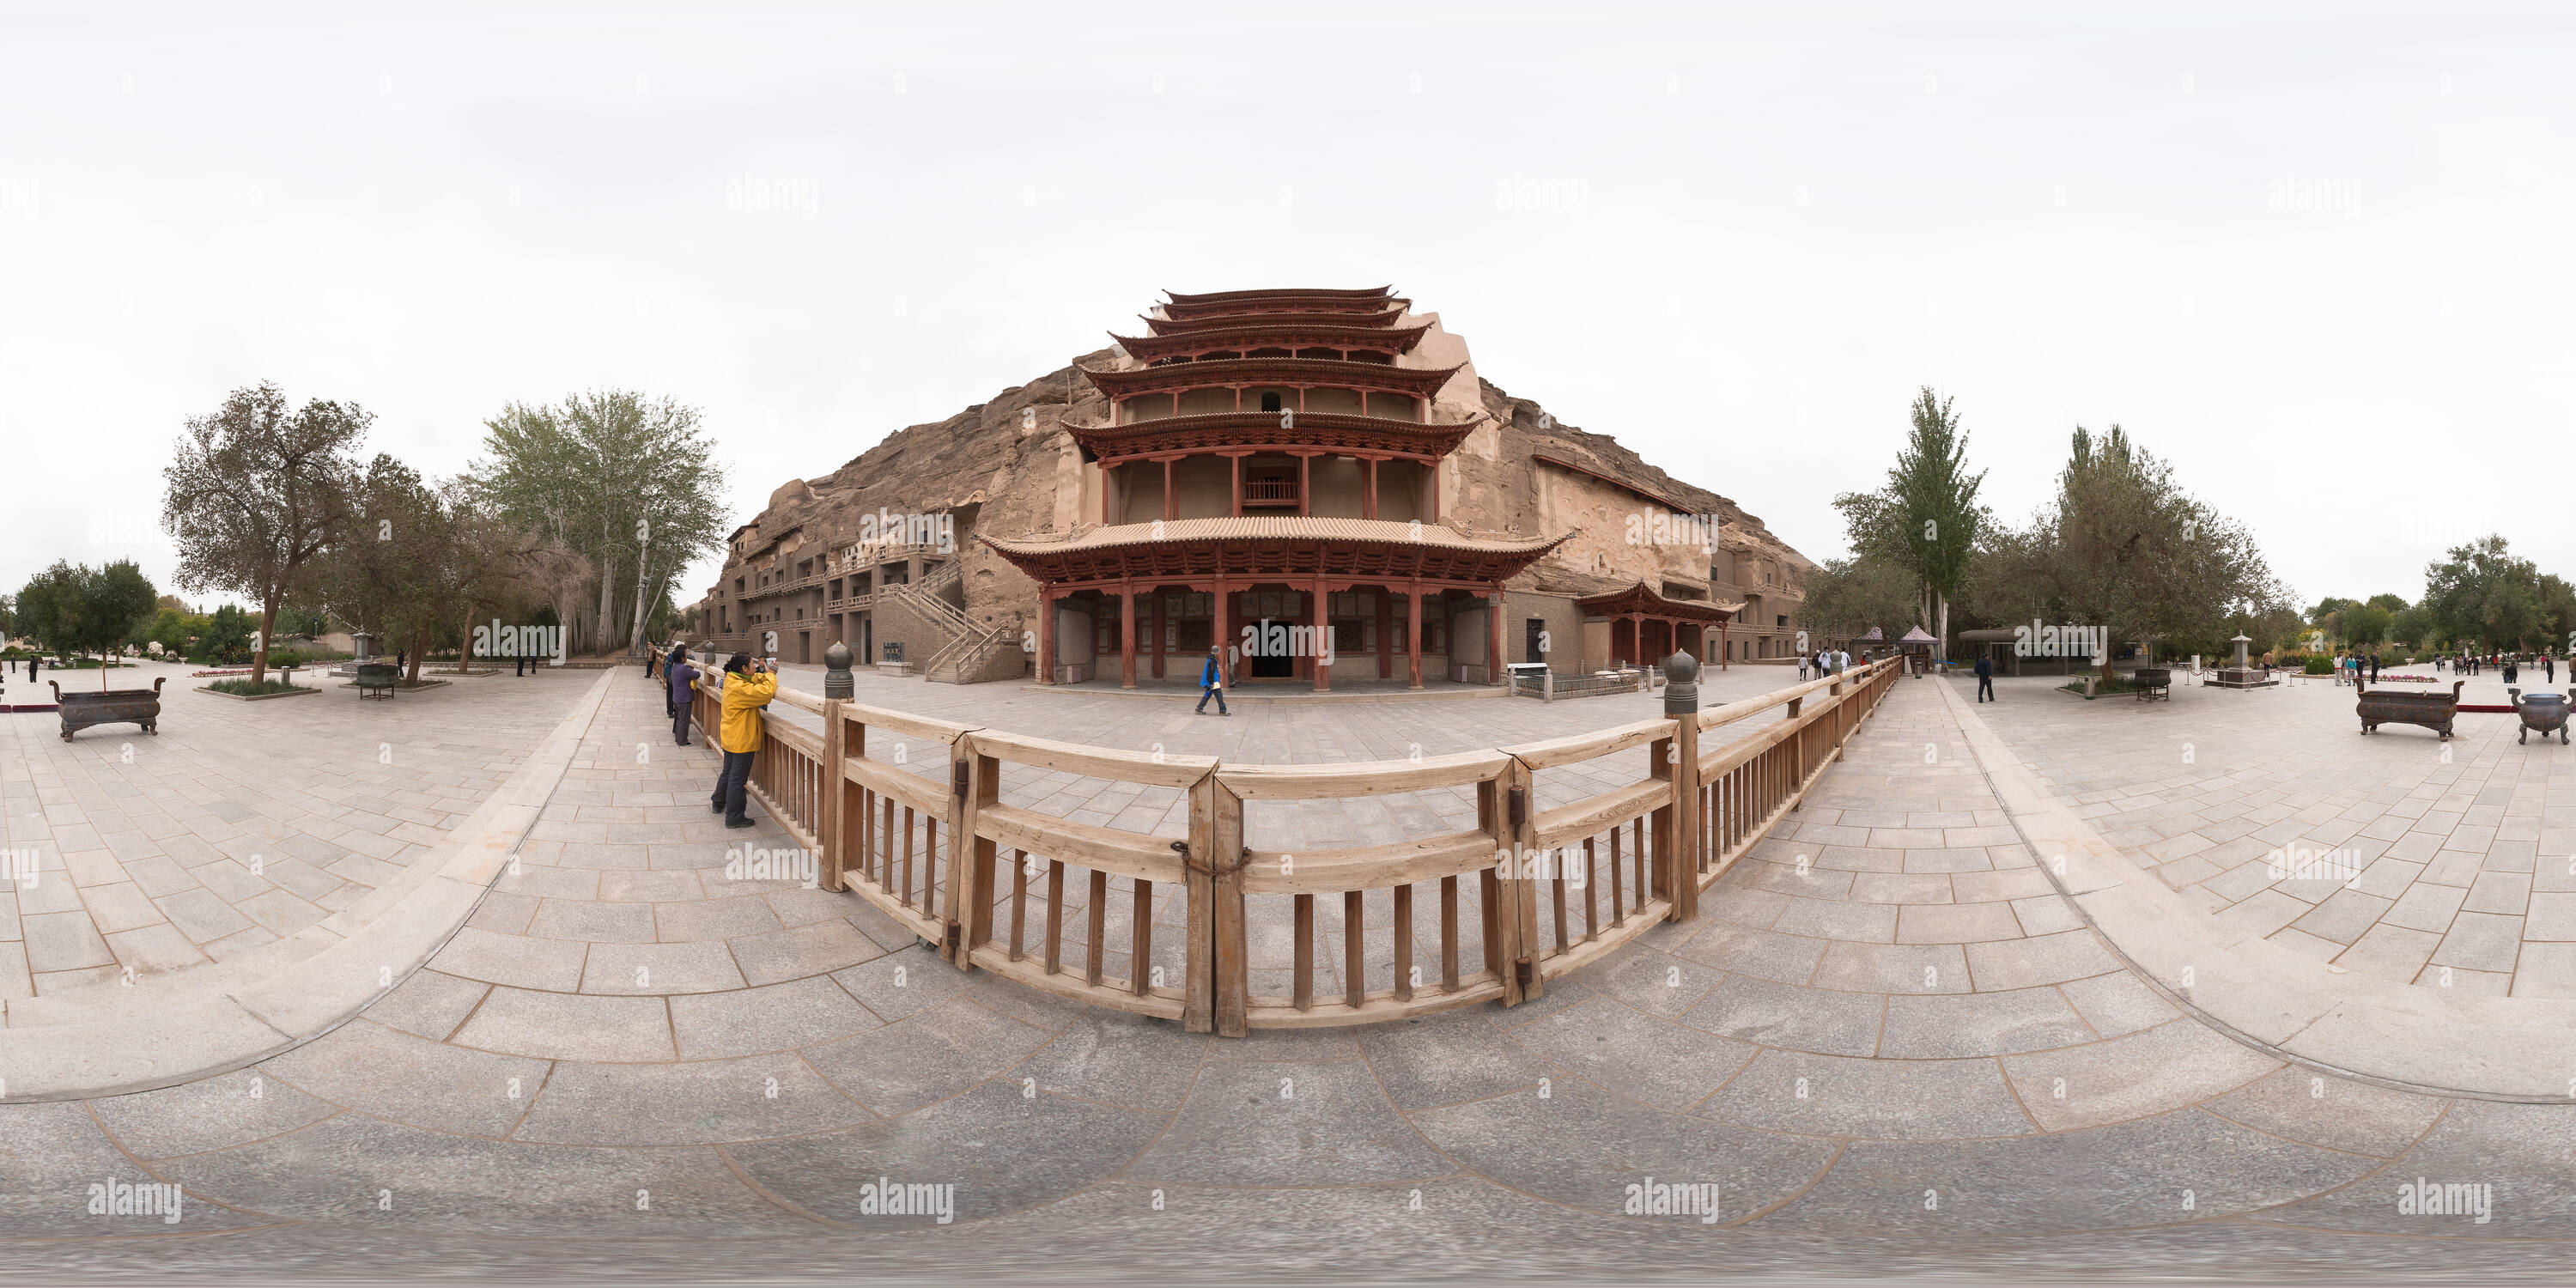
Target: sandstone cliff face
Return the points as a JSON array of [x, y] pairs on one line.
[[1005, 468]]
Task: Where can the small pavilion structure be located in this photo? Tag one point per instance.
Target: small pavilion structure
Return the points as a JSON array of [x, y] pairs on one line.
[[1646, 627], [1917, 645]]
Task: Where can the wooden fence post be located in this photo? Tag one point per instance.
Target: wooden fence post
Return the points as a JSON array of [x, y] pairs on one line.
[[1499, 900], [1677, 822], [964, 891], [971, 857], [1223, 968], [833, 820]]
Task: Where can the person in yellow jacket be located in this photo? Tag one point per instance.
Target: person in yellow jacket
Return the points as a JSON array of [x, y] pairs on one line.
[[748, 686]]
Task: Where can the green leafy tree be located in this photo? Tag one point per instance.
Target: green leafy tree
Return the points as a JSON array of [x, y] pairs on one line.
[[2125, 548], [227, 634], [624, 481], [97, 609], [2413, 627], [2366, 625], [1848, 596], [383, 572], [2483, 594], [1925, 519], [255, 492], [46, 605], [2558, 615]]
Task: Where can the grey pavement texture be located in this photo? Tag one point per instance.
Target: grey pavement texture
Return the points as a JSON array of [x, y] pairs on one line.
[[1887, 1043], [2448, 865]]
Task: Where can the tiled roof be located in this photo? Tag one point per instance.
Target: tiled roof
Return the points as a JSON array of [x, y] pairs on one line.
[[1383, 531]]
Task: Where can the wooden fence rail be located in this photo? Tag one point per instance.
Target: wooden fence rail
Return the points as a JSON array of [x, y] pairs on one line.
[[1170, 926]]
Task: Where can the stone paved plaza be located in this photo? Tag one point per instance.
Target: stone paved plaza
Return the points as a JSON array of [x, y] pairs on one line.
[[238, 825], [1888, 1041], [2445, 864]]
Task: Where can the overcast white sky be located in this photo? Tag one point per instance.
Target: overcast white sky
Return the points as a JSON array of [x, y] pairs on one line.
[[2319, 256]]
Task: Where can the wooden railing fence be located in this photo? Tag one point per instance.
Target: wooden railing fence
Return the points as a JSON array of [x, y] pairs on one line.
[[1172, 927]]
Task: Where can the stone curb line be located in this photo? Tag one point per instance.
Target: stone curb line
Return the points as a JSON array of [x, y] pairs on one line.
[[237, 1013], [1241, 699], [2410, 1037]]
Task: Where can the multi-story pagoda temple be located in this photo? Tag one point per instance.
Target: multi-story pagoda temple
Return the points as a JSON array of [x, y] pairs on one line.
[[1316, 480], [1270, 477]]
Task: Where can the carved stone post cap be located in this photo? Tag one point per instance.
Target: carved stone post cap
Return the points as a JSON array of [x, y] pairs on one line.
[[1681, 684], [836, 671]]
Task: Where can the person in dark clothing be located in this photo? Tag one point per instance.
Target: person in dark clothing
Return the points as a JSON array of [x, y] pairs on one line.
[[672, 698], [1212, 683], [2374, 666], [2510, 667], [1985, 678], [2548, 669], [522, 663], [678, 695]]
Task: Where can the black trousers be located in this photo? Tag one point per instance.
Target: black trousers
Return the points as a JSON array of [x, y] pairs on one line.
[[1985, 688], [680, 723], [730, 781], [1212, 692]]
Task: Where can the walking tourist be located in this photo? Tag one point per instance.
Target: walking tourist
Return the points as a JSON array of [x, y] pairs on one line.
[[2374, 666], [748, 686], [1212, 683], [1985, 678], [678, 694]]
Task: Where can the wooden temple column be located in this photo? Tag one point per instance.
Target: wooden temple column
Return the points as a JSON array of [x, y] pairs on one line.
[[1237, 458], [1171, 499], [1323, 621], [1637, 639], [1385, 637], [1154, 627], [1224, 637], [1127, 635], [1494, 639], [1046, 634], [1413, 656], [1305, 477], [1368, 498]]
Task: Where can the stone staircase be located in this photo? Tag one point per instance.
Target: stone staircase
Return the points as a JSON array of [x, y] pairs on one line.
[[968, 651], [970, 658]]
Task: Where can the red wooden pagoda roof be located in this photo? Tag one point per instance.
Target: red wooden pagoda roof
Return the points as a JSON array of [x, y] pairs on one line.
[[1275, 292], [1281, 549], [1227, 321], [1259, 303], [1421, 382], [1262, 429], [1272, 335], [1641, 598]]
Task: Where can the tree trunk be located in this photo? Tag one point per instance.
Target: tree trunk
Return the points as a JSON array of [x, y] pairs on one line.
[[1942, 604], [607, 594], [419, 637], [267, 623], [635, 637]]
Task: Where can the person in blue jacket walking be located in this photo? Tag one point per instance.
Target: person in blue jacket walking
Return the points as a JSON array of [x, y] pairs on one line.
[[1212, 682]]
